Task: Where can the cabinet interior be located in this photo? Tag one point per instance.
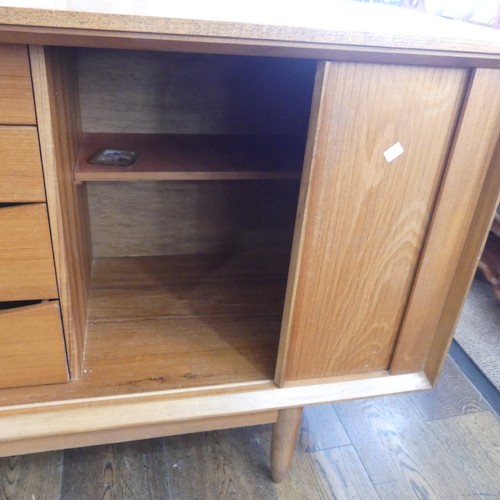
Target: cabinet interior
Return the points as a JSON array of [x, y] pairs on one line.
[[191, 245]]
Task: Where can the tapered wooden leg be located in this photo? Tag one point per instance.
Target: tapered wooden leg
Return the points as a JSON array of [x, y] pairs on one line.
[[284, 439]]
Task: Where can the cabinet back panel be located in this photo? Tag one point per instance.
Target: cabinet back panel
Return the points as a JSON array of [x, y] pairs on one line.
[[170, 218], [152, 92], [365, 218]]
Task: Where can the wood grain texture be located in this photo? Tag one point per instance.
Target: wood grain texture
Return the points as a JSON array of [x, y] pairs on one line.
[[125, 471], [170, 218], [182, 321], [21, 178], [344, 473], [477, 452], [451, 397], [56, 98], [16, 94], [466, 173], [347, 25], [175, 93], [321, 429], [134, 433], [92, 414], [235, 464], [206, 465], [75, 37], [474, 242], [399, 451], [365, 220], [187, 157], [26, 258], [33, 476], [284, 440], [32, 346], [298, 242]]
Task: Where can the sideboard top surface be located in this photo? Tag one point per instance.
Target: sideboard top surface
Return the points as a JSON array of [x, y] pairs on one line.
[[315, 25]]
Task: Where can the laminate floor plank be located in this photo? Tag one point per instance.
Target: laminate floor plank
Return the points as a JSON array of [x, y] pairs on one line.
[[474, 441], [31, 477], [188, 475], [454, 395], [321, 429], [395, 444], [345, 474], [234, 463], [119, 471]]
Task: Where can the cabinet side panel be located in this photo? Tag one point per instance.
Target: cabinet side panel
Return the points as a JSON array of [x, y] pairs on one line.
[[462, 280], [366, 216], [458, 203], [56, 101]]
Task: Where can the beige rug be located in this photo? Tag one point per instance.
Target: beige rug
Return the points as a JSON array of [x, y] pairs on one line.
[[478, 331]]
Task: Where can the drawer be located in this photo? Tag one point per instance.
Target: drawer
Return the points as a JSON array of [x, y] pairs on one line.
[[32, 346], [26, 260], [21, 177], [16, 93]]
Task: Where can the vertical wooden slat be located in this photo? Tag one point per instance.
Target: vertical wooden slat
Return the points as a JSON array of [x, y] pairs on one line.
[[475, 241], [365, 219], [457, 205], [57, 106]]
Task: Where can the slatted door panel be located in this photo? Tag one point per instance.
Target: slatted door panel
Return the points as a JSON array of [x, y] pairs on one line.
[[363, 218]]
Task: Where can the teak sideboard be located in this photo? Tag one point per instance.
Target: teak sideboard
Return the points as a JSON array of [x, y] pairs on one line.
[[302, 224]]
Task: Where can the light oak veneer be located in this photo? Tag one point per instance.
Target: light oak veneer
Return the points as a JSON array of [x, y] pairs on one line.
[[21, 178], [32, 346], [16, 96], [364, 219], [163, 339], [26, 259]]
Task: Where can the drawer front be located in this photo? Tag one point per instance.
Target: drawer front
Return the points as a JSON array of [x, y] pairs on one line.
[[26, 260], [16, 93], [32, 346], [21, 177]]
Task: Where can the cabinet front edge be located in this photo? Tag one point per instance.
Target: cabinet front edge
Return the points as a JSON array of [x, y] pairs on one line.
[[111, 414]]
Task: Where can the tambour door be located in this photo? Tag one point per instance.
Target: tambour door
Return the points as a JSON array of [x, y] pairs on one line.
[[378, 145]]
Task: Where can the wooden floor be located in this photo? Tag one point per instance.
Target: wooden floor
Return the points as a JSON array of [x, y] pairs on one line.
[[442, 444]]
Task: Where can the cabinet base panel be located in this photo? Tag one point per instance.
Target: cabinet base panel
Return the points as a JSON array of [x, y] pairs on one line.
[[107, 436]]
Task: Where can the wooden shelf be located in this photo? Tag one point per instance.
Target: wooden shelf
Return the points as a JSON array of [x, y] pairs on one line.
[[193, 157]]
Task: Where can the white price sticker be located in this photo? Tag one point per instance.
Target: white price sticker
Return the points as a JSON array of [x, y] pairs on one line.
[[393, 152]]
